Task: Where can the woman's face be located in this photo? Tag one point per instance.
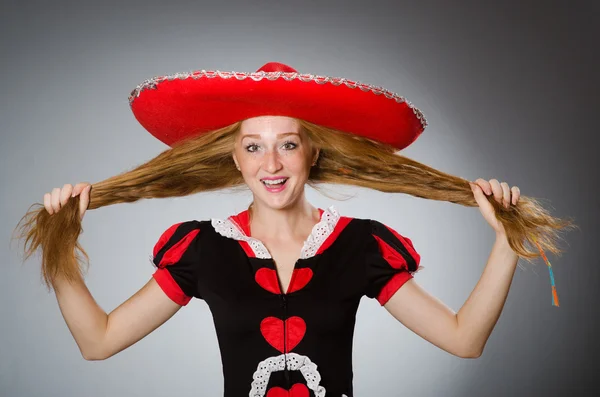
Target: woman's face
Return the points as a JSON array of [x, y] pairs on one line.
[[274, 156]]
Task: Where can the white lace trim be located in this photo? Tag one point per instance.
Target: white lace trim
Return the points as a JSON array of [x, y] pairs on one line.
[[153, 82], [295, 362], [320, 232], [228, 228]]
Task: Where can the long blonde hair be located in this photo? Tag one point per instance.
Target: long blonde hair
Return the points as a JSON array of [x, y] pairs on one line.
[[205, 163]]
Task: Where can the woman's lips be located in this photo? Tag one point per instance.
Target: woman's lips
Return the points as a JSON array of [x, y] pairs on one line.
[[275, 188]]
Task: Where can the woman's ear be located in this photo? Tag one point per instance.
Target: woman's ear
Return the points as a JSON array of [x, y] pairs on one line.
[[235, 161], [316, 156]]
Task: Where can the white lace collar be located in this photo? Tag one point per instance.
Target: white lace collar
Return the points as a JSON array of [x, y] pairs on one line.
[[320, 232]]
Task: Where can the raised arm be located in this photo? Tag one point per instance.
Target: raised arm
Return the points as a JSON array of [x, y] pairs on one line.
[[99, 335], [463, 334]]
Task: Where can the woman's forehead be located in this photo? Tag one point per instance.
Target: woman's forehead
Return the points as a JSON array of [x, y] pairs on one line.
[[269, 125]]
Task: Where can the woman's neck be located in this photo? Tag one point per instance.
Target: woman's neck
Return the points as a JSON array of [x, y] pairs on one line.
[[283, 224]]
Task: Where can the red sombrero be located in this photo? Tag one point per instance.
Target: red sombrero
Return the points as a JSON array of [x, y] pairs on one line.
[[182, 105]]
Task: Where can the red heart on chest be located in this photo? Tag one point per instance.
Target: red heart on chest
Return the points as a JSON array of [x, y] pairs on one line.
[[272, 329], [298, 390], [267, 278], [300, 278]]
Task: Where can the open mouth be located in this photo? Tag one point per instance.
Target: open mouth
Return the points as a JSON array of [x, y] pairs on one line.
[[274, 184]]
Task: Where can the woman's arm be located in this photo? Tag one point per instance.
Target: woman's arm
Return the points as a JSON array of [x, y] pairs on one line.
[[463, 334], [99, 335]]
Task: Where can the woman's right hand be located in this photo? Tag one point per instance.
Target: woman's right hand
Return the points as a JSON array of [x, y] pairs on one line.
[[57, 199]]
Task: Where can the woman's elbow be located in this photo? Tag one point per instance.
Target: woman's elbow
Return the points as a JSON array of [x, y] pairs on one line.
[[91, 357], [471, 353], [94, 355]]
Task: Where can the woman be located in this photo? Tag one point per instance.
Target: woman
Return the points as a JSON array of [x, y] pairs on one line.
[[283, 279]]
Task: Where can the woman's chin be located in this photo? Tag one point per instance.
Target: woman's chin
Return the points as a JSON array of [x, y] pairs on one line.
[[277, 204], [277, 201]]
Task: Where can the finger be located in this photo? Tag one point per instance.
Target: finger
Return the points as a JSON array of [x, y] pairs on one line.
[[477, 192], [480, 198], [84, 201], [55, 199], [505, 194], [78, 188], [65, 194], [496, 190], [47, 203], [516, 194], [485, 185]]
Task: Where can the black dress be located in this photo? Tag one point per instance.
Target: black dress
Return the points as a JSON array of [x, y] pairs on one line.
[[311, 324]]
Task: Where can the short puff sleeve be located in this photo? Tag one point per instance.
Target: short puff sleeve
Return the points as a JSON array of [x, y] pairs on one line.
[[176, 255], [391, 260]]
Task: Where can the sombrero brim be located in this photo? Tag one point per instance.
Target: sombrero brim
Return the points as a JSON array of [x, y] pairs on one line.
[[178, 106]]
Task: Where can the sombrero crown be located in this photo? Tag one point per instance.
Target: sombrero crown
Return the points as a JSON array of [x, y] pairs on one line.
[[181, 105]]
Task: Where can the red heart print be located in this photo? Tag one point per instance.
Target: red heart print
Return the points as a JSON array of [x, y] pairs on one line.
[[300, 278], [272, 330], [298, 390], [267, 278]]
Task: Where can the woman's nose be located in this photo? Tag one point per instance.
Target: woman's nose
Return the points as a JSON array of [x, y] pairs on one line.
[[272, 162]]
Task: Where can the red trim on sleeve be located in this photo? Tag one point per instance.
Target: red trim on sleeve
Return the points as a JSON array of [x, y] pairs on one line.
[[407, 243], [393, 257], [397, 261], [164, 238], [170, 287], [392, 286], [173, 254]]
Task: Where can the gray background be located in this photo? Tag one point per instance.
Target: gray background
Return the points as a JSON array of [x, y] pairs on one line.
[[510, 90]]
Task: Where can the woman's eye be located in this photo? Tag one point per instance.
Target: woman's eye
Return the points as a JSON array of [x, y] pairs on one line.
[[287, 146]]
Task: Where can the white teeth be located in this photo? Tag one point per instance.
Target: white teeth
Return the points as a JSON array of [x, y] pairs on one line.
[[274, 181]]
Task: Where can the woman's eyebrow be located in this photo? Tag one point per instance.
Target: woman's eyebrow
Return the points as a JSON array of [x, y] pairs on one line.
[[278, 135]]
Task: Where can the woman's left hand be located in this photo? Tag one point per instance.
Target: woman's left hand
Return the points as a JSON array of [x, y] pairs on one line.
[[503, 194]]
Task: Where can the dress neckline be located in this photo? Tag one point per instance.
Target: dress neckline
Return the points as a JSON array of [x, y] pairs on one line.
[[237, 227]]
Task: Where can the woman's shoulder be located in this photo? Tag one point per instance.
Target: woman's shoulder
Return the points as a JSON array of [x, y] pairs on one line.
[[185, 231], [382, 232], [372, 225], [364, 224], [186, 226]]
